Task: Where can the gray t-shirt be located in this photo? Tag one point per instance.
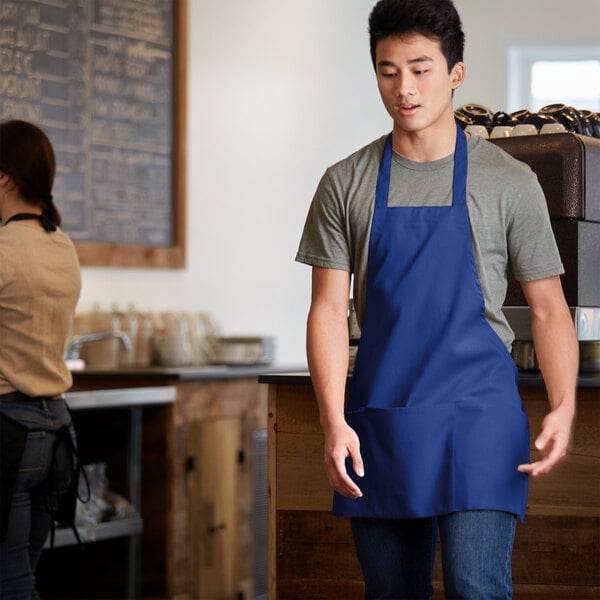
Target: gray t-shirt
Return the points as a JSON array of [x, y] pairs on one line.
[[510, 226]]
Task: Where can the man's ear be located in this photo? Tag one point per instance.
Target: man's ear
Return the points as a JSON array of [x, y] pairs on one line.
[[457, 75]]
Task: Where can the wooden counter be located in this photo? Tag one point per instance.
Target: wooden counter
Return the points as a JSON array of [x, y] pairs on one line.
[[196, 484], [311, 554]]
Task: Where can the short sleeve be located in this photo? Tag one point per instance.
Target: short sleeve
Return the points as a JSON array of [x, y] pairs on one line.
[[532, 247], [324, 241]]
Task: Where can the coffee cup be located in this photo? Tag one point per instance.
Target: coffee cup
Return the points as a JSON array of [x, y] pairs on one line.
[[524, 129], [521, 115], [478, 131], [462, 119], [552, 128], [501, 131], [503, 119], [539, 119], [593, 118], [563, 114], [480, 115]]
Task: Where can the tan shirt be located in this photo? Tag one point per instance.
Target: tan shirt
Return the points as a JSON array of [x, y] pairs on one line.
[[40, 283]]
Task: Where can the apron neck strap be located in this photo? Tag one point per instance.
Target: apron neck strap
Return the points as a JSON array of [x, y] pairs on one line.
[[48, 226], [383, 177], [459, 180]]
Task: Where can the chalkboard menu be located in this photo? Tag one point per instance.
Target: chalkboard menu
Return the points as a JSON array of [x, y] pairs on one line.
[[102, 77]]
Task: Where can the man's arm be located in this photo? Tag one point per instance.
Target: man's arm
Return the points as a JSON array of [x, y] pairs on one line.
[[558, 356], [327, 349]]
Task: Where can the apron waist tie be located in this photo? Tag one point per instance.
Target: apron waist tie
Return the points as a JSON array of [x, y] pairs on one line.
[[17, 396]]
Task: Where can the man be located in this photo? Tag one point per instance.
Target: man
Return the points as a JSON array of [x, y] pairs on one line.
[[432, 436]]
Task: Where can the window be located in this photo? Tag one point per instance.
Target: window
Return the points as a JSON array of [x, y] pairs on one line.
[[548, 75]]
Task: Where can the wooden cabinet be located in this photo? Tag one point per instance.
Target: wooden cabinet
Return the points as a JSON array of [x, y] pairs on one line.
[[208, 546], [197, 481], [311, 553]]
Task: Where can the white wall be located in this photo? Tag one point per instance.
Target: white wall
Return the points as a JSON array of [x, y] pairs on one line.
[[278, 90], [490, 27]]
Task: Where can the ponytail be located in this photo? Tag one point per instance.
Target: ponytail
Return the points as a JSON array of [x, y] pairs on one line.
[[50, 215]]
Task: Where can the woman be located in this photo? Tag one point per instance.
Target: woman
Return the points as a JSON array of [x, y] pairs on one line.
[[40, 283]]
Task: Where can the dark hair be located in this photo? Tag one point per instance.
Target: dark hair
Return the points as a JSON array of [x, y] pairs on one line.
[[27, 157], [436, 19]]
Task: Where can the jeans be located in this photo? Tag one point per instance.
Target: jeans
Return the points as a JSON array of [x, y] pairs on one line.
[[397, 555], [44, 475]]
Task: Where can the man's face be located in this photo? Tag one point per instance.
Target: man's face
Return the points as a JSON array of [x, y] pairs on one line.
[[413, 80]]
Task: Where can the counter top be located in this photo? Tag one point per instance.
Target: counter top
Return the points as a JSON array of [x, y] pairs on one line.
[[526, 378], [535, 379], [184, 373], [121, 398]]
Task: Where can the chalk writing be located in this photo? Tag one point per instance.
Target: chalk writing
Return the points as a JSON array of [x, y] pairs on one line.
[[97, 76]]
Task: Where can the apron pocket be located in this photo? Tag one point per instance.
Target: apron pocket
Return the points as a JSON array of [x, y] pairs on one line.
[[408, 458], [427, 461]]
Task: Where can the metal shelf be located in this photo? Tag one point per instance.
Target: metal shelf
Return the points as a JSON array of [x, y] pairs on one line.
[[121, 398], [133, 400], [64, 536]]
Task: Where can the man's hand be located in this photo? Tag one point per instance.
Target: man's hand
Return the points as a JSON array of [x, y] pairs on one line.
[[552, 442], [341, 441]]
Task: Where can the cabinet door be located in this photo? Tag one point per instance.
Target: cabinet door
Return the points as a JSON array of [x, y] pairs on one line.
[[213, 447]]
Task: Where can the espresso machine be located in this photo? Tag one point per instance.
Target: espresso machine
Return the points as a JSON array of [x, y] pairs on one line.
[[568, 168]]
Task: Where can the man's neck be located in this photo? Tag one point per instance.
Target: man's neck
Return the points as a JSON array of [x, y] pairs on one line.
[[427, 145]]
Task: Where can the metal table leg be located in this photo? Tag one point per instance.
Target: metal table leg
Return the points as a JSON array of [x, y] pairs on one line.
[[134, 479]]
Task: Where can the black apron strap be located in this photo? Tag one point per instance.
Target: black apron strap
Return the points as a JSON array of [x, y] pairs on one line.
[[48, 225]]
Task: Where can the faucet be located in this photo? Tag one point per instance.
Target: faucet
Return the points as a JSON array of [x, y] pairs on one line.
[[72, 352]]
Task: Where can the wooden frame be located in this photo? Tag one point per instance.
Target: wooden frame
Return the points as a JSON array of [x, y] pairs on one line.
[[171, 257]]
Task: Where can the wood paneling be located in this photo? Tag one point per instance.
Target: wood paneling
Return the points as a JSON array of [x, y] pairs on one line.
[[311, 553], [215, 445], [198, 401]]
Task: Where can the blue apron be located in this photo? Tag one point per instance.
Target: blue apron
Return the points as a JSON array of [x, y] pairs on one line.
[[433, 397]]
